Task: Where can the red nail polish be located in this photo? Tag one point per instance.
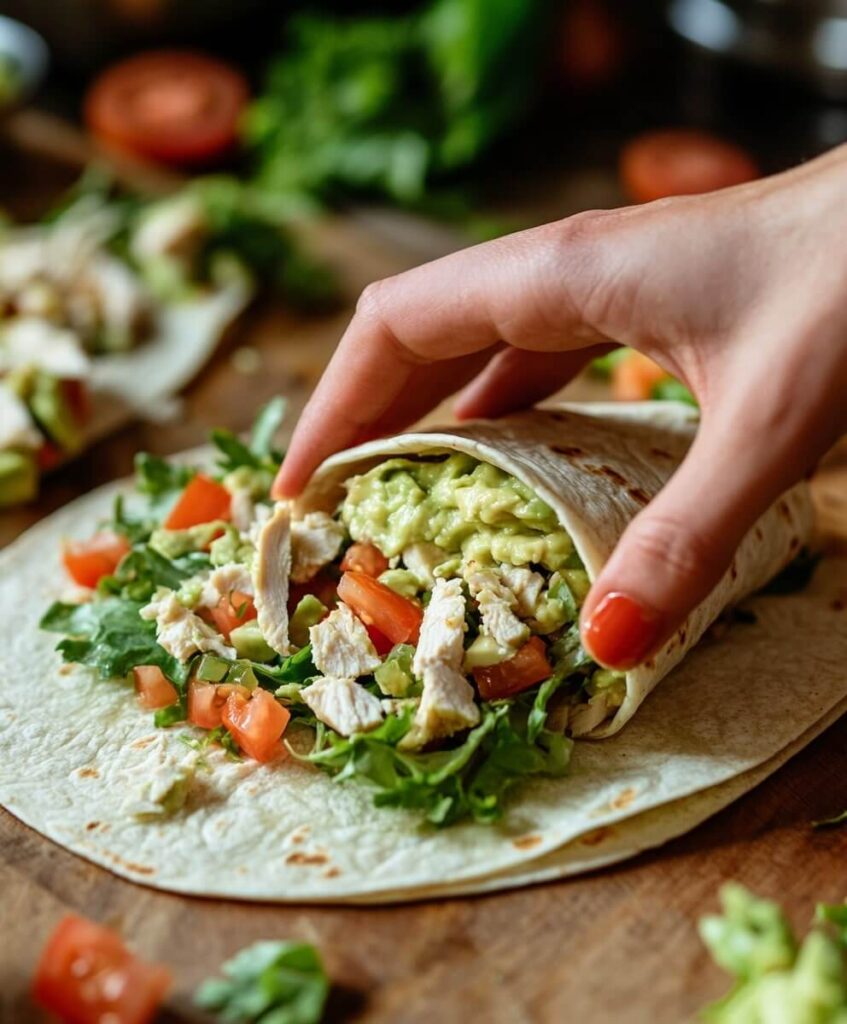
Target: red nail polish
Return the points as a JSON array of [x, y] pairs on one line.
[[621, 632]]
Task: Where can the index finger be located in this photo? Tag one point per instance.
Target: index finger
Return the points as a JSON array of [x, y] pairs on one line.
[[511, 290]]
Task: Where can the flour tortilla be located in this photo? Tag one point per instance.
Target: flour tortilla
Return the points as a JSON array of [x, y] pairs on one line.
[[73, 749], [598, 465], [126, 385]]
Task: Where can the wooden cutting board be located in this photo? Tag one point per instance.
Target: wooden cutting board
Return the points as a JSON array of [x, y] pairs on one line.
[[619, 945]]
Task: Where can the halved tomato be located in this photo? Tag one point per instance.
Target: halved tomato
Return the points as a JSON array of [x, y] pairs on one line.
[[366, 558], [395, 616], [233, 610], [174, 106], [256, 723], [153, 687], [202, 501], [635, 376], [86, 975], [88, 560], [206, 702], [681, 161], [528, 667]]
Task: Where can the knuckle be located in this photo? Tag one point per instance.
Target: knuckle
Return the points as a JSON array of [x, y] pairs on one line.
[[374, 300]]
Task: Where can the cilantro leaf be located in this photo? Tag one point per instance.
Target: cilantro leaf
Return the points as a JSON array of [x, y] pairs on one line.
[[259, 453], [111, 636], [158, 477], [268, 983]]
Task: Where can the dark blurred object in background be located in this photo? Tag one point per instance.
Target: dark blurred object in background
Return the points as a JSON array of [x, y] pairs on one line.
[[806, 39]]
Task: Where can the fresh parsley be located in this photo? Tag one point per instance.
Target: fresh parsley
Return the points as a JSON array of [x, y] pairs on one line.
[[268, 983]]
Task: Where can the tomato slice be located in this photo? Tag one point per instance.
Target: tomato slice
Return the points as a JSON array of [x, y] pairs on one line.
[[233, 610], [256, 722], [202, 501], [88, 560], [153, 687], [174, 106], [75, 394], [366, 558], [86, 975], [528, 667], [50, 455], [395, 616], [634, 377], [381, 643], [679, 161]]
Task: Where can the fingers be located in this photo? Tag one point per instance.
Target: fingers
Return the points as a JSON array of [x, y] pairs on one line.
[[523, 290], [676, 551], [514, 380]]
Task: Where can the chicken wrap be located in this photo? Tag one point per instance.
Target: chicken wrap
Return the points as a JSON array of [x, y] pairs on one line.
[[380, 691]]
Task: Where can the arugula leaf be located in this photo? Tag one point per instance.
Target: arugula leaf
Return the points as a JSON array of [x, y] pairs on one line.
[[268, 983], [158, 477], [111, 636], [163, 718], [295, 669], [470, 779], [267, 423], [144, 569], [259, 453], [776, 978]]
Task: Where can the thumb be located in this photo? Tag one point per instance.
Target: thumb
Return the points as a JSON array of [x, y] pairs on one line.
[[675, 552]]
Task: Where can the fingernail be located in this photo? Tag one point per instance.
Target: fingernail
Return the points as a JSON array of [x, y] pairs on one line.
[[621, 632]]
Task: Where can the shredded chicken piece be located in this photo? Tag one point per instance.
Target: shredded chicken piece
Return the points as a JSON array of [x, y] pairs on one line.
[[315, 541], [241, 508], [341, 645], [17, 428], [496, 607], [172, 228], [31, 341], [223, 581], [421, 560], [447, 706], [584, 718], [343, 704], [180, 631], [443, 628], [271, 572], [526, 585]]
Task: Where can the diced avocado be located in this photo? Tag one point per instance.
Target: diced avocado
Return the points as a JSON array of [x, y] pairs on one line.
[[309, 612], [465, 507], [174, 543], [485, 651], [249, 643], [242, 674], [401, 581], [394, 676], [50, 407], [557, 606], [213, 669], [246, 478], [18, 477], [231, 548], [611, 684], [578, 581]]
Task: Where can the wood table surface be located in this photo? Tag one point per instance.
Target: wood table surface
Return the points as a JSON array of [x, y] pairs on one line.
[[616, 945]]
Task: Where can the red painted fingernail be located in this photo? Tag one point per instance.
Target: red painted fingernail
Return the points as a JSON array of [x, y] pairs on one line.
[[621, 632]]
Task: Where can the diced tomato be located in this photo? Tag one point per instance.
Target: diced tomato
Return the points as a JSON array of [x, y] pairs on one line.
[[153, 687], [364, 558], [380, 641], [233, 610], [395, 616], [324, 586], [206, 702], [677, 162], [88, 560], [635, 376], [528, 667], [75, 394], [173, 106], [256, 722], [86, 975], [202, 501], [49, 456]]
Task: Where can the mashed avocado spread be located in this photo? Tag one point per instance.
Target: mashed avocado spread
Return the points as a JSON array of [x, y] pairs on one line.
[[464, 506]]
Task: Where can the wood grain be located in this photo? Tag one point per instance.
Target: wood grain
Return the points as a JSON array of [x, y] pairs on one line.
[[618, 945]]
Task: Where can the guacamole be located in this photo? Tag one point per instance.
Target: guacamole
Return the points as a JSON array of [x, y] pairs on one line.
[[464, 506]]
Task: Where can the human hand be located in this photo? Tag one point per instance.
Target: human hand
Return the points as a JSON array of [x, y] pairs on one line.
[[741, 294]]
